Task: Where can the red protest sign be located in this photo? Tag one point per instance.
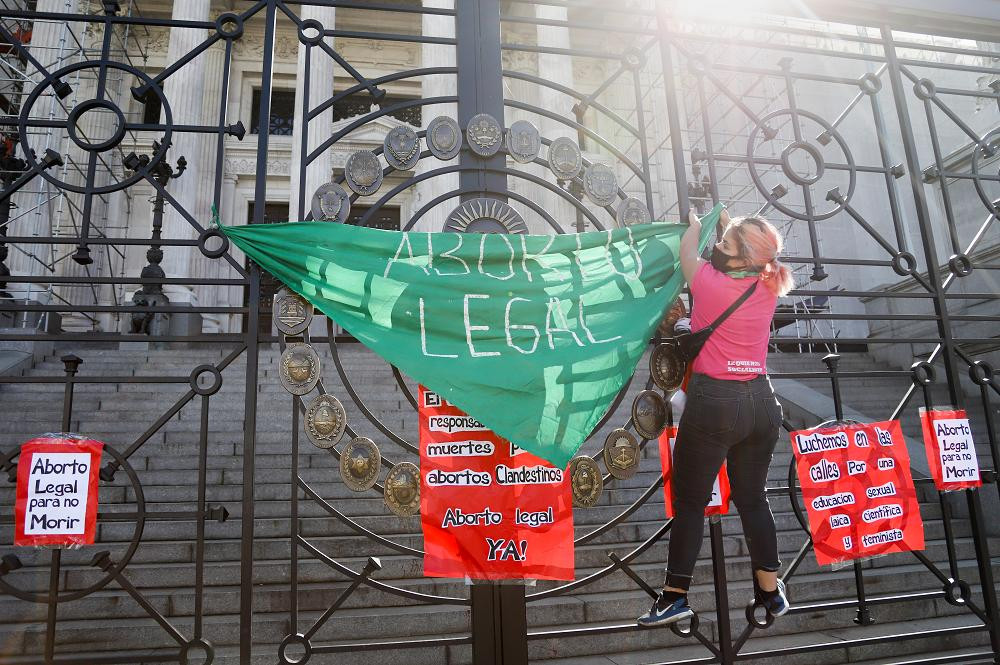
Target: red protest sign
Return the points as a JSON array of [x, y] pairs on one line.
[[858, 491], [951, 452], [717, 505], [56, 501], [489, 509]]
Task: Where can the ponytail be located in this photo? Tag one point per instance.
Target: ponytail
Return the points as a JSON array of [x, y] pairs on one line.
[[777, 277], [760, 240]]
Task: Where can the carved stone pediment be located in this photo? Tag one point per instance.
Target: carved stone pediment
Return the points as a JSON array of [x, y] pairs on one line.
[[369, 134]]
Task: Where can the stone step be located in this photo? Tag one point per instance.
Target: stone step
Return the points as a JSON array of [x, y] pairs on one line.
[[924, 641], [583, 611], [170, 585], [162, 568]]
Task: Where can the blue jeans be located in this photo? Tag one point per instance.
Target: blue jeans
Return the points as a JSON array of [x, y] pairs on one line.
[[737, 421]]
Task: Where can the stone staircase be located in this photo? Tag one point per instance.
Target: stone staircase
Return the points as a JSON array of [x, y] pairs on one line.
[[162, 569]]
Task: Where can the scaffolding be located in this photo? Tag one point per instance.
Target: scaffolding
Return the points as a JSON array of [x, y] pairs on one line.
[[712, 113], [42, 208]]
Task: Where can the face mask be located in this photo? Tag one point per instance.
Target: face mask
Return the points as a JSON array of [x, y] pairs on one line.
[[720, 261]]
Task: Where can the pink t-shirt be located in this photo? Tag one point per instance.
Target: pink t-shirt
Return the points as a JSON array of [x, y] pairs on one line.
[[737, 350]]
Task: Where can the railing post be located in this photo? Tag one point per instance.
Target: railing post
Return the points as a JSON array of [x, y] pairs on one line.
[[499, 624], [864, 616], [71, 364], [727, 655], [673, 113], [252, 335]]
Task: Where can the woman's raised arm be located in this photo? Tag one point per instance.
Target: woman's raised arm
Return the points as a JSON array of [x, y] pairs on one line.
[[690, 258]]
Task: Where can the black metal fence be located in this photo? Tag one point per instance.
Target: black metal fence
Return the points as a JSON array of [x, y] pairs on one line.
[[836, 131]]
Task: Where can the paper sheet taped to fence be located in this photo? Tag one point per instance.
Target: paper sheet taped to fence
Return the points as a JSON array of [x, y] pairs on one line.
[[56, 500], [489, 510], [951, 451], [858, 491], [718, 504]]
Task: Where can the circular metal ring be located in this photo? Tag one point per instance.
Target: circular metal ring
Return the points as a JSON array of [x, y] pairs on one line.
[[203, 239], [983, 151], [904, 264], [957, 592], [295, 639], [923, 373], [960, 265], [210, 389], [692, 629], [751, 613], [763, 127], [82, 141], [817, 157], [925, 89], [315, 25], [201, 644], [870, 84], [981, 373], [229, 18], [139, 174], [140, 524]]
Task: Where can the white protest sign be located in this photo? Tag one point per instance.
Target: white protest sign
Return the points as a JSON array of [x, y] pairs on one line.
[[57, 491], [951, 451]]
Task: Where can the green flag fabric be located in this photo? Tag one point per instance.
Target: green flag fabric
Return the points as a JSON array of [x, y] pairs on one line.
[[531, 335]]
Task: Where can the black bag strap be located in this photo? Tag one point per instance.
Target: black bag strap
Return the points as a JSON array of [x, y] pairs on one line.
[[732, 308]]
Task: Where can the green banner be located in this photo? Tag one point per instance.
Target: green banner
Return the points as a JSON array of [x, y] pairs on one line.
[[531, 335]]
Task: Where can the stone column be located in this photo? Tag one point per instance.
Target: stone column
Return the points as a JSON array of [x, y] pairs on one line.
[[437, 85], [321, 74], [558, 69], [185, 91], [230, 295], [201, 266]]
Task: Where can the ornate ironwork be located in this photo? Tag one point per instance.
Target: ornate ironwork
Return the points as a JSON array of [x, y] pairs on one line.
[[795, 162], [151, 294]]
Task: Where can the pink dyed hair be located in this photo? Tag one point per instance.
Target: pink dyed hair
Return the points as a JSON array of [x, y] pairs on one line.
[[760, 244]]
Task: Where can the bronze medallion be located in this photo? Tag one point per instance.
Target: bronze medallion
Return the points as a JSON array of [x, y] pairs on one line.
[[523, 141], [484, 135], [485, 216], [331, 203], [586, 481], [676, 312], [444, 137], [666, 367], [325, 421], [402, 489], [600, 184], [363, 172], [632, 211], [621, 454], [292, 312], [360, 461], [565, 158], [649, 414], [401, 148], [298, 368]]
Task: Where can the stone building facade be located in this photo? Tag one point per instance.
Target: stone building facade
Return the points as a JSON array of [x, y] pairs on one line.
[[195, 90]]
